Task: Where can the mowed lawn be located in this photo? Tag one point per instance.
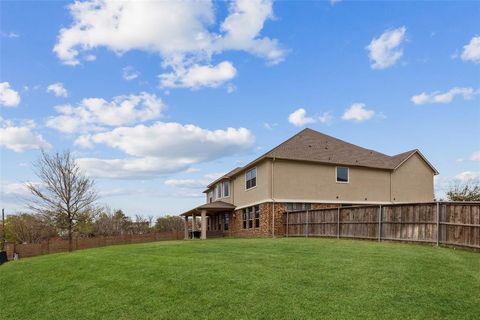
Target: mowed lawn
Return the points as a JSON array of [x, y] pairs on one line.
[[285, 278]]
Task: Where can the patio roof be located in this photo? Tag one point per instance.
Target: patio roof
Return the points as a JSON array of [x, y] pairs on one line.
[[212, 207]]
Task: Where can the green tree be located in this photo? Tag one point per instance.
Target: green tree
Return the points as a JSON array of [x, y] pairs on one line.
[[466, 192]]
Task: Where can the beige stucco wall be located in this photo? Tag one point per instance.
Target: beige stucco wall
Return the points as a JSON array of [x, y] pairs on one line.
[[413, 181], [239, 196], [261, 192], [296, 181], [312, 181]]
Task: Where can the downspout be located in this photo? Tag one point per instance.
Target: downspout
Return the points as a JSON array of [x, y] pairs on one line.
[[391, 174], [273, 199]]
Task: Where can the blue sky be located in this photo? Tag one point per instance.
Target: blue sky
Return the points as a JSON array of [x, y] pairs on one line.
[[158, 98]]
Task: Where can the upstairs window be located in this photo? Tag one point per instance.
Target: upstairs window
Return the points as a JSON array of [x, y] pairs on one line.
[[342, 174], [251, 178], [219, 191], [226, 189]]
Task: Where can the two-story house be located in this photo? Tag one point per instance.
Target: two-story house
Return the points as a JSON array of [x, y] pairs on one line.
[[310, 170]]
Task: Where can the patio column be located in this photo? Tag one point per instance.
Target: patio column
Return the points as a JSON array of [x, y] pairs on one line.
[[203, 234], [186, 228], [193, 226]]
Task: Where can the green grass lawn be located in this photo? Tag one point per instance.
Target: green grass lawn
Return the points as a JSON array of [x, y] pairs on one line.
[[292, 278]]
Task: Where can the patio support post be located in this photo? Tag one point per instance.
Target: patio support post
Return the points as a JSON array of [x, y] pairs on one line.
[[193, 226], [203, 234], [186, 228]]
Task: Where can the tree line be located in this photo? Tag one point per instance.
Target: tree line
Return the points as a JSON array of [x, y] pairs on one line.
[[63, 205], [35, 228]]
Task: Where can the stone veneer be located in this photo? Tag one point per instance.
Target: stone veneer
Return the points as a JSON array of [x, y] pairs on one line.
[[265, 229]]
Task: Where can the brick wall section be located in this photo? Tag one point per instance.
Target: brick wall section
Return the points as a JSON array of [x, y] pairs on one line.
[[265, 230]]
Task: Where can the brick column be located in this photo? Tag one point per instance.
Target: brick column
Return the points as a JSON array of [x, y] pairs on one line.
[[186, 228]]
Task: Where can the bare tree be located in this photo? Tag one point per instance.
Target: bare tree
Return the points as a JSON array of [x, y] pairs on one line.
[[29, 228], [170, 223], [65, 195], [466, 192], [110, 223]]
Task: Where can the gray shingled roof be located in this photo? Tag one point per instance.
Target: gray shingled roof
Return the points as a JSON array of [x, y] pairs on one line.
[[311, 145], [212, 206]]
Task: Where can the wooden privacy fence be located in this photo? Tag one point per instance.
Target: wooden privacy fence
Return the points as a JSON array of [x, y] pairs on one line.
[[60, 245], [449, 223]]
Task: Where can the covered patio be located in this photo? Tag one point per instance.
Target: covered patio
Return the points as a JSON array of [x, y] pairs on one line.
[[215, 221]]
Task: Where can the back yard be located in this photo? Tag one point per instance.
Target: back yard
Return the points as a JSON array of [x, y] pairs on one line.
[[286, 278]]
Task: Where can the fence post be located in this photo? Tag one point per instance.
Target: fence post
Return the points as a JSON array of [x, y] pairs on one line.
[[306, 225], [287, 223], [438, 223], [338, 222], [380, 223]]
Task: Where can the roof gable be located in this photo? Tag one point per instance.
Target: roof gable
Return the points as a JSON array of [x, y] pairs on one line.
[[311, 145]]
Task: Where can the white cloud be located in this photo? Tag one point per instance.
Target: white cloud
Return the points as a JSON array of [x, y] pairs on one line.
[[475, 156], [194, 183], [90, 57], [446, 97], [357, 112], [14, 188], [269, 126], [242, 27], [176, 141], [467, 176], [148, 167], [214, 176], [181, 32], [186, 183], [471, 51], [197, 76], [94, 114], [325, 118], [334, 2], [10, 35], [299, 118], [57, 89], [162, 148], [386, 50], [129, 73], [20, 137], [445, 183], [8, 96]]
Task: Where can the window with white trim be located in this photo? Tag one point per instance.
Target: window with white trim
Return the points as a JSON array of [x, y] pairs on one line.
[[219, 191], [342, 174], [226, 189], [251, 178]]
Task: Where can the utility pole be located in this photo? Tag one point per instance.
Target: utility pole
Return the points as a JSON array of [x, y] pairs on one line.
[[2, 247]]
